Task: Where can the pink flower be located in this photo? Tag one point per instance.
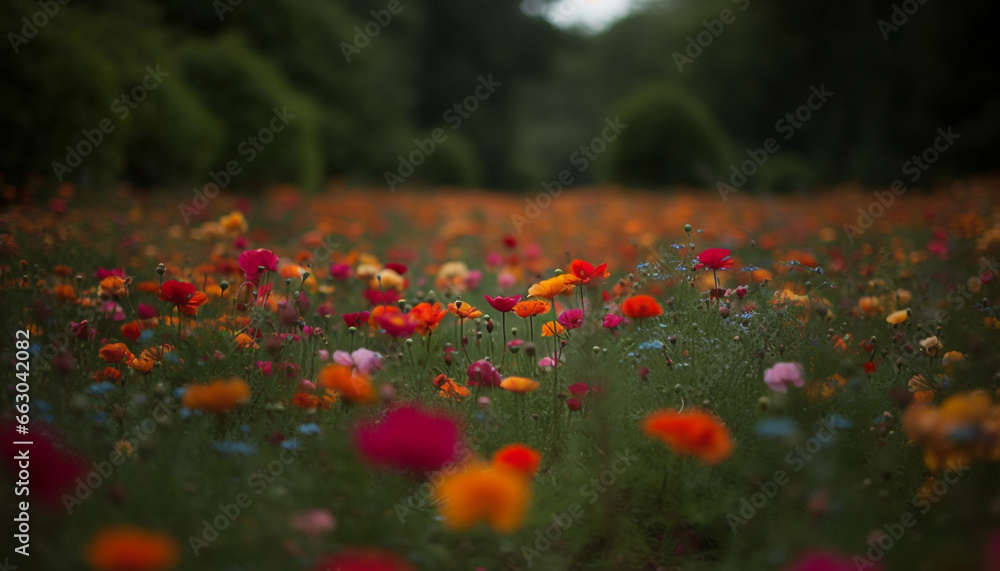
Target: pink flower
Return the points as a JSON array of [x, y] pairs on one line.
[[146, 311], [313, 522], [102, 273], [324, 355], [251, 260], [340, 271], [482, 374], [781, 375], [473, 278], [113, 310], [307, 385], [502, 304], [612, 321], [571, 318], [506, 280], [364, 360]]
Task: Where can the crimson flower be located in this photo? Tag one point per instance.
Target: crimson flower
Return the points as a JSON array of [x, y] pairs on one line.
[[398, 268], [356, 319], [503, 304], [409, 438], [585, 271], [363, 559], [376, 297], [184, 296], [870, 367], [251, 261], [396, 324], [54, 471], [714, 259]]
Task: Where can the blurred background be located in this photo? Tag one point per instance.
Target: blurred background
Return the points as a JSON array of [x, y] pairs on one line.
[[697, 82]]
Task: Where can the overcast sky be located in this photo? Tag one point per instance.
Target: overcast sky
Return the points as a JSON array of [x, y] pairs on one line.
[[593, 14]]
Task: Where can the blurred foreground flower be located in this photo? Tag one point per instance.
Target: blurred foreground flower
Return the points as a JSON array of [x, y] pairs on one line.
[[128, 548], [362, 559], [409, 438], [693, 433], [483, 493], [218, 396], [351, 385]]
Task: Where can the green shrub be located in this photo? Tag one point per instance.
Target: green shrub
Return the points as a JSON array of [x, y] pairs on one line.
[[671, 138], [248, 95]]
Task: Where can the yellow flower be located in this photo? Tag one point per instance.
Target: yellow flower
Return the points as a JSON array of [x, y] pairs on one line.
[[483, 493], [897, 317], [234, 223], [518, 384]]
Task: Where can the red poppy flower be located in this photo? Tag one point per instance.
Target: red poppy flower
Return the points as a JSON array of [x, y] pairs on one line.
[[409, 438], [714, 258], [641, 306], [251, 261], [503, 304], [398, 268], [870, 367], [356, 319], [518, 457], [184, 296], [585, 271]]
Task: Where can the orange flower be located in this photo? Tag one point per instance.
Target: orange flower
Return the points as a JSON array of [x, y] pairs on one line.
[[518, 384], [694, 433], [641, 306], [552, 287], [116, 353], [129, 548], [234, 223], [427, 316], [464, 310], [379, 311], [244, 341], [111, 286], [532, 307], [483, 493], [107, 375], [351, 385], [898, 317], [552, 328], [518, 457], [307, 400], [447, 387], [870, 305], [64, 292], [218, 396]]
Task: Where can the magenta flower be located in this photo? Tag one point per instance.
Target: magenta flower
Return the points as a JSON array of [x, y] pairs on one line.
[[364, 360], [340, 271], [409, 438], [252, 260], [612, 321], [578, 389], [503, 304], [146, 311], [781, 375], [823, 560], [102, 273], [482, 374], [571, 318]]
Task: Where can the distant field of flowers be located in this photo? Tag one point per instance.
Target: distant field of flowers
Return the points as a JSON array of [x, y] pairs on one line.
[[612, 380]]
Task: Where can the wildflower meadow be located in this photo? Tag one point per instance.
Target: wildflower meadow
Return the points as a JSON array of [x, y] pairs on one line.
[[389, 381]]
